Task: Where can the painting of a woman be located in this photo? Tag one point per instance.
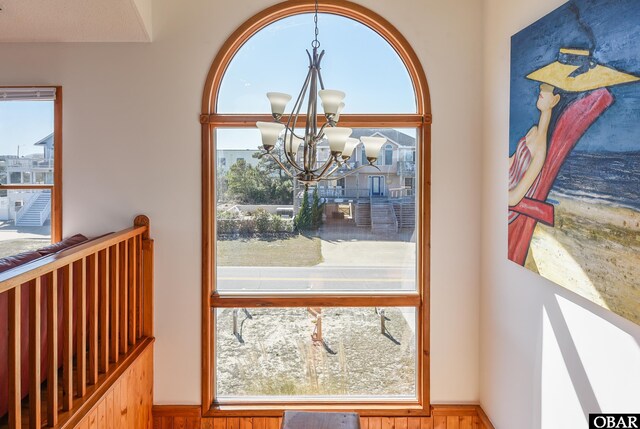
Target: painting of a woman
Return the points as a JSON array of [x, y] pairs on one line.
[[574, 158]]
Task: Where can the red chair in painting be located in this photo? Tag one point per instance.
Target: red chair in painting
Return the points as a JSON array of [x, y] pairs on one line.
[[571, 126]]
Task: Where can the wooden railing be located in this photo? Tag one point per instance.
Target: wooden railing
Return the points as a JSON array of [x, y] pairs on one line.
[[103, 289]]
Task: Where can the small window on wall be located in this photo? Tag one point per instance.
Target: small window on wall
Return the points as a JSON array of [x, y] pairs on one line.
[[30, 144]]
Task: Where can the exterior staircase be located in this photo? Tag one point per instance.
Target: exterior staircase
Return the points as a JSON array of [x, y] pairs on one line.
[[405, 211], [363, 214], [36, 213], [383, 217]]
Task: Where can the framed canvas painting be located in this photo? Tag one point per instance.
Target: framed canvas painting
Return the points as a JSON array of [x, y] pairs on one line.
[[574, 151]]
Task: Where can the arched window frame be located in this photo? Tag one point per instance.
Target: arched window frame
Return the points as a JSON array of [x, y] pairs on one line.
[[421, 120]]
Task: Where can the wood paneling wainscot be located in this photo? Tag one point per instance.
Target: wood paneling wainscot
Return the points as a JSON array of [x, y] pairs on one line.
[[127, 404], [442, 417]]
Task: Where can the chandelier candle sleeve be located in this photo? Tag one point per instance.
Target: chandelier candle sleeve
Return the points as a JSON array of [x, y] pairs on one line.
[[337, 137], [278, 102], [349, 146], [331, 100], [270, 133], [336, 117], [372, 146]]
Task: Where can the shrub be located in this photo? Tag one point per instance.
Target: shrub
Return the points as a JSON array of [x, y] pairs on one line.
[[263, 221]]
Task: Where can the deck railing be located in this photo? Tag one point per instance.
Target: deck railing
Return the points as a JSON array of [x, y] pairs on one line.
[[103, 289]]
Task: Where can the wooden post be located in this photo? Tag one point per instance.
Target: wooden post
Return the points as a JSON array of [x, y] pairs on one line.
[[146, 277]]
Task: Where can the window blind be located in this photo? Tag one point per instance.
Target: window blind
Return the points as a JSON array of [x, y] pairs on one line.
[[27, 94]]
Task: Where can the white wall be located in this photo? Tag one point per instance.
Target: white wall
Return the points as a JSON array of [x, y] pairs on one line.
[[548, 356], [131, 115]]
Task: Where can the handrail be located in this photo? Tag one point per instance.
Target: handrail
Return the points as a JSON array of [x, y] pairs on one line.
[[98, 311], [29, 271]]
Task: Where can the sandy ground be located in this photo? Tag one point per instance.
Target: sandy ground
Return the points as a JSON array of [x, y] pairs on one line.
[[593, 250], [274, 354], [14, 240]]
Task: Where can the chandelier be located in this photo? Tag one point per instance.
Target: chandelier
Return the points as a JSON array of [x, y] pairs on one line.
[[307, 167]]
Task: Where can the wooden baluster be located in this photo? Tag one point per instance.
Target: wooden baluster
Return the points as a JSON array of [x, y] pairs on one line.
[[79, 274], [139, 286], [15, 389], [35, 407], [131, 288], [103, 287], [67, 338], [124, 297], [52, 348], [92, 292], [114, 293]]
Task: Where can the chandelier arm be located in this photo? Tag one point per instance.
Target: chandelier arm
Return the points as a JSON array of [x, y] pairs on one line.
[[326, 166], [321, 131], [311, 127], [293, 118], [286, 170], [320, 74], [349, 173], [290, 159]]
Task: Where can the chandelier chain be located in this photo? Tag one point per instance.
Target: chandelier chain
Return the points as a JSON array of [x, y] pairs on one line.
[[315, 43]]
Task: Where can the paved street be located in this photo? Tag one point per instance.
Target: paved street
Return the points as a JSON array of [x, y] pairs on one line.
[[316, 279]]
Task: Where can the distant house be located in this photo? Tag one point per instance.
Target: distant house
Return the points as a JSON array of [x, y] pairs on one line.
[[372, 192], [27, 207]]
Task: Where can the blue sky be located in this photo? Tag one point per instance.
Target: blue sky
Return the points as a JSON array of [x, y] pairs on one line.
[[22, 123], [357, 61]]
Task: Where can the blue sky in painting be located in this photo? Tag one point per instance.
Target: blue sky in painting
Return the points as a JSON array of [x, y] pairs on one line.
[[611, 31]]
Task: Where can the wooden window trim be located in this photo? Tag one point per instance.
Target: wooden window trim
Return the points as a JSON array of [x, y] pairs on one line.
[[56, 188], [211, 120]]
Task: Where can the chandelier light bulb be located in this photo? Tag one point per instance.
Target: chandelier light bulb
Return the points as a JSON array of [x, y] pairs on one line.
[[349, 146], [331, 100], [337, 137], [270, 133], [372, 146], [278, 102]]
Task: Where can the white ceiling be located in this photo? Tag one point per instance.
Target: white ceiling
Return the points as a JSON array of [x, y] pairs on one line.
[[75, 21]]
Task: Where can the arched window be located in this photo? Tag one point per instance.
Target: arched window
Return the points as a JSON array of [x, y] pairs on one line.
[[388, 155], [314, 295]]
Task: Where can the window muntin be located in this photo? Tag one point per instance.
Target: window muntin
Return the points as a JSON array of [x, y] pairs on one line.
[[27, 169], [353, 62]]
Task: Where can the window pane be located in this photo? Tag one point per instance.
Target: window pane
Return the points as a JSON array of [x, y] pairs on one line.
[[25, 220], [357, 61], [361, 353], [26, 142], [362, 236]]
